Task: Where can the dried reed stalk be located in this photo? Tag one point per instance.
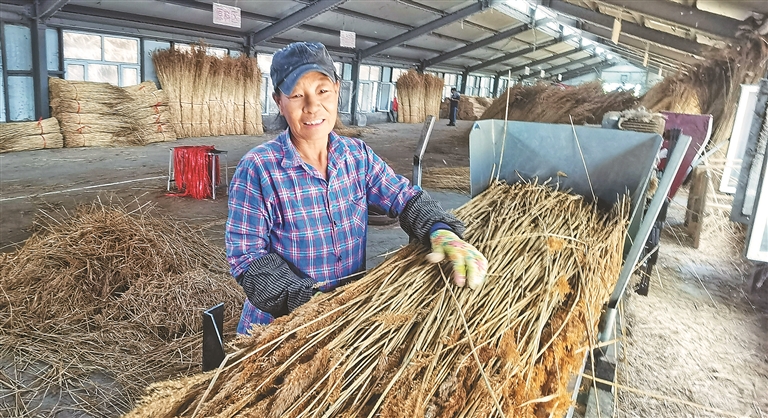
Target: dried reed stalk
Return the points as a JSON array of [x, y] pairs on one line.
[[167, 67], [446, 178], [404, 342], [22, 136], [252, 97], [544, 103], [101, 302]]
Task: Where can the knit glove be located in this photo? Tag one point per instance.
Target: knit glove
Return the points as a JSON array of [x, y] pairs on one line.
[[469, 265]]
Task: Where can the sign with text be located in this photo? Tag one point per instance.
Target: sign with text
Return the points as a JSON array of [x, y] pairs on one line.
[[346, 39], [226, 15]]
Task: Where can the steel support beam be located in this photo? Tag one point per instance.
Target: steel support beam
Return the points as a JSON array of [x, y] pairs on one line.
[[484, 42], [478, 6], [519, 53], [681, 15], [650, 35], [570, 75], [440, 12], [554, 70], [550, 58], [355, 85], [293, 20], [496, 81], [46, 8], [39, 68]]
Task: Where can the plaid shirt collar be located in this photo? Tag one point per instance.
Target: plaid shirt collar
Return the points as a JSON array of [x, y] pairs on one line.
[[337, 151]]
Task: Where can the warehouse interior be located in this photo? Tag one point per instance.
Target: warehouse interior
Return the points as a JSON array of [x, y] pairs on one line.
[[655, 304]]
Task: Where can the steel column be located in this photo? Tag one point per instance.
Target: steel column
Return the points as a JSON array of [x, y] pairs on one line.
[[478, 6], [39, 68], [293, 20], [355, 85], [496, 81], [464, 77]]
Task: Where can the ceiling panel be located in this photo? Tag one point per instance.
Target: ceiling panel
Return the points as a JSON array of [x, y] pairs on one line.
[[494, 19], [391, 10]]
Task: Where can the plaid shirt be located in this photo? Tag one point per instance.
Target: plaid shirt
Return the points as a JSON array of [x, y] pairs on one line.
[[280, 204]]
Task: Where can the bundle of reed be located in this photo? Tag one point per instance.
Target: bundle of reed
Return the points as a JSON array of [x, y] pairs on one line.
[[231, 72], [201, 63], [168, 68], [433, 94], [109, 298], [150, 114], [446, 178], [403, 342], [238, 97], [252, 96], [344, 130], [714, 83], [216, 108], [409, 88], [544, 103], [23, 136], [103, 93]]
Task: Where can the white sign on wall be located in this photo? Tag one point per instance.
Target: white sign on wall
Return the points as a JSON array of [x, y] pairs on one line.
[[226, 15], [346, 39]]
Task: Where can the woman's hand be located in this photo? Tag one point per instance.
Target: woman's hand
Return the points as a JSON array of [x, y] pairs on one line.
[[469, 265]]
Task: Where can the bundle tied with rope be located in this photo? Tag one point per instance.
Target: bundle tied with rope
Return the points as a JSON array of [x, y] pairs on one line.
[[418, 95], [149, 109], [23, 136], [404, 342], [210, 95]]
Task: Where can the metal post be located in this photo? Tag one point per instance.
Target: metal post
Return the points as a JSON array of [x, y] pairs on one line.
[[355, 85], [39, 68], [496, 81], [464, 77], [421, 147]]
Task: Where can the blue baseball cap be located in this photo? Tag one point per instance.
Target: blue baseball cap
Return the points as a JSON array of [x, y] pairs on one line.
[[292, 62]]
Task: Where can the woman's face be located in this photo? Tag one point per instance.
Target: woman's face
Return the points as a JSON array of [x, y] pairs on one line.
[[310, 109]]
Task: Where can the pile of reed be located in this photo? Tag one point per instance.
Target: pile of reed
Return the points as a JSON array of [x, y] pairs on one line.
[[340, 128], [90, 113], [101, 302], [210, 96], [470, 107], [150, 112], [23, 136], [446, 178], [418, 95], [586, 103], [712, 86], [403, 342]]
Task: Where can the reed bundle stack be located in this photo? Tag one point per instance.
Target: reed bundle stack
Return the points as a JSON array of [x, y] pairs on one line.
[[151, 113], [418, 95], [712, 86], [210, 96], [446, 178], [101, 302], [403, 342], [90, 114], [470, 107], [23, 136], [586, 103]]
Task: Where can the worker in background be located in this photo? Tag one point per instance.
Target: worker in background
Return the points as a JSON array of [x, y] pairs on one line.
[[454, 106], [393, 110], [298, 204]]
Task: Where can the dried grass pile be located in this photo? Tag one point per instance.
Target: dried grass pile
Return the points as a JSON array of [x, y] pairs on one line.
[[151, 113], [470, 107], [90, 113], [23, 136], [101, 302], [446, 178], [210, 96], [585, 103], [418, 95], [402, 342], [712, 87]]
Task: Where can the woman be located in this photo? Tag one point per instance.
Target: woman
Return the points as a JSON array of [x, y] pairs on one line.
[[298, 204]]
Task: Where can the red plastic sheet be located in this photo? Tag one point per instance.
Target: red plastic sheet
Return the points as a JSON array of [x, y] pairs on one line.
[[192, 168]]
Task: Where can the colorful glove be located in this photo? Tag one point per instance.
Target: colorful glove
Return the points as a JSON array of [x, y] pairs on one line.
[[469, 265]]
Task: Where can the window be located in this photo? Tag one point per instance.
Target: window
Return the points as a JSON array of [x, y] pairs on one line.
[[16, 86], [101, 58]]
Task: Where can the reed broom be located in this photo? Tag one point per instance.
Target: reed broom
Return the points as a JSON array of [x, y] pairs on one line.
[[404, 342]]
